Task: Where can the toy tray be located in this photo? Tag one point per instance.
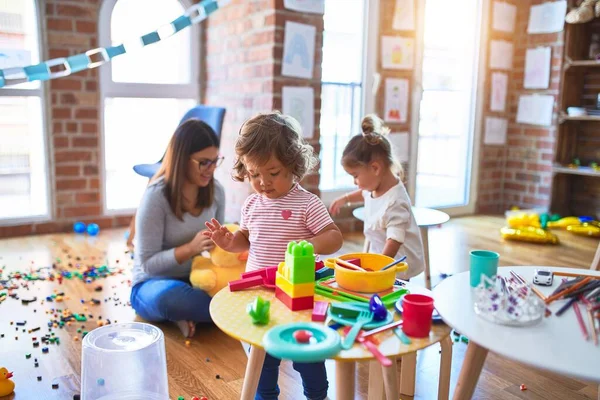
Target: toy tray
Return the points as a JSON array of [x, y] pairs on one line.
[[328, 287]]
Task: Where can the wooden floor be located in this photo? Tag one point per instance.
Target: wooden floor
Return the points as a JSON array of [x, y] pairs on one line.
[[213, 365]]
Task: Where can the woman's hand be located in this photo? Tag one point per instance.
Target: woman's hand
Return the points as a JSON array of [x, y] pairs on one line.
[[337, 204], [220, 235], [201, 243]]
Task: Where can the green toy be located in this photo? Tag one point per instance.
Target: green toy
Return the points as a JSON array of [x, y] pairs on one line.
[[343, 313], [544, 218], [300, 262], [259, 311]]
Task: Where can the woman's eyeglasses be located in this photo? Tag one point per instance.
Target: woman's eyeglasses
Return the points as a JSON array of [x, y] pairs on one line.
[[205, 164]]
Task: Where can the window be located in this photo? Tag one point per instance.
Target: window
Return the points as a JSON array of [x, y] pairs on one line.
[[23, 167], [342, 87], [145, 93]]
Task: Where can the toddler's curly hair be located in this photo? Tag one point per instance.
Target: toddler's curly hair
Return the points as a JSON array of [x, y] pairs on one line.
[[276, 135]]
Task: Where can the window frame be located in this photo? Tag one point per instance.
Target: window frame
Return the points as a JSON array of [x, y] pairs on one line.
[[43, 93], [369, 79], [109, 88]]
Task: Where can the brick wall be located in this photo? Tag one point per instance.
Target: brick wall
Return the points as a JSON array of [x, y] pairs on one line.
[[520, 173], [244, 48], [73, 117]]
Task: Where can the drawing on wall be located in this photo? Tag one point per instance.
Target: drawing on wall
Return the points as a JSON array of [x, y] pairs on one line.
[[404, 15], [298, 50], [499, 88], [535, 109], [396, 100], [309, 6], [505, 15], [397, 52], [501, 54], [537, 68], [299, 103], [495, 130]]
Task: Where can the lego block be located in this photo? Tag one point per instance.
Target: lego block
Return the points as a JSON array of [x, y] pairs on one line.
[[323, 272], [294, 290], [297, 304], [300, 262], [319, 313], [245, 283]]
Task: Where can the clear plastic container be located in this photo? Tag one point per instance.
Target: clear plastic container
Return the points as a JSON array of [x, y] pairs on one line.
[[124, 361]]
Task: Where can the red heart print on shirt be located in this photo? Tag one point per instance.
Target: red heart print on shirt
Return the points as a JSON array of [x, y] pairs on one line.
[[286, 214]]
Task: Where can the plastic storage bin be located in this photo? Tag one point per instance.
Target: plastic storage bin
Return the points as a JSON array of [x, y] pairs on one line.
[[124, 361]]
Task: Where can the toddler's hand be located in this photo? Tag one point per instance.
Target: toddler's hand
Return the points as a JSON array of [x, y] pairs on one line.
[[336, 205], [219, 234]]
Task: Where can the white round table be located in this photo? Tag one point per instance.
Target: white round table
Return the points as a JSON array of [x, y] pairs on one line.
[[425, 218], [555, 344]]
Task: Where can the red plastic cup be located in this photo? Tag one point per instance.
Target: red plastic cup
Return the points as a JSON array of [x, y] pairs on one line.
[[417, 310]]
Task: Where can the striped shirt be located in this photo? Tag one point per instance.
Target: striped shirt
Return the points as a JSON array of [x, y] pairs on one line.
[[273, 223]]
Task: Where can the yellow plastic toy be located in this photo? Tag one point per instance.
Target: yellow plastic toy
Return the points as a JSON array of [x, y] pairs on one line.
[[214, 273], [523, 219], [6, 385], [563, 223], [529, 234], [585, 229]]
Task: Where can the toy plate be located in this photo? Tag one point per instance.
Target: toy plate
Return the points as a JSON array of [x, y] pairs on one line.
[[279, 342], [351, 321]]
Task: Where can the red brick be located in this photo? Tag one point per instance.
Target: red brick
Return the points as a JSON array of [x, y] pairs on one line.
[[61, 113], [72, 155], [70, 184], [86, 113], [65, 84], [68, 99], [18, 230], [94, 183], [514, 186], [90, 170], [89, 127], [85, 142], [71, 127], [67, 170], [57, 127], [539, 167], [85, 211], [537, 132], [58, 53], [60, 142], [85, 27], [87, 197], [74, 11], [59, 24]]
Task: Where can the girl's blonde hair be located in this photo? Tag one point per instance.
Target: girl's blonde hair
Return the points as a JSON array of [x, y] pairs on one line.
[[371, 145], [276, 135]]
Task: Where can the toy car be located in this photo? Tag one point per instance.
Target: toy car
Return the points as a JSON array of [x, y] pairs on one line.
[[543, 277]]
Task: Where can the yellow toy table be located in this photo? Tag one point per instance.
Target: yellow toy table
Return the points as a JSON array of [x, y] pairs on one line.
[[228, 311]]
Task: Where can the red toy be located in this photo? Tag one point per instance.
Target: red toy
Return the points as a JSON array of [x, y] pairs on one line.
[[262, 277], [297, 304], [320, 311]]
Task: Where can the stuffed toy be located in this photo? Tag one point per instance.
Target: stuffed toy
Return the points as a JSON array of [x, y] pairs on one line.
[[585, 12], [214, 273]]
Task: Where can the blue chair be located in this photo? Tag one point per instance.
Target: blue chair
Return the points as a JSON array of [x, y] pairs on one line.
[[213, 116]]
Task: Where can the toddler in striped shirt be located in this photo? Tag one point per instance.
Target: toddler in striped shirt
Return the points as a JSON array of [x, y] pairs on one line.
[[274, 157]]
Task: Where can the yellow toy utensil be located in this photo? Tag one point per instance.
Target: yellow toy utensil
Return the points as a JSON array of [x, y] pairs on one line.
[[564, 222], [585, 229], [529, 234]]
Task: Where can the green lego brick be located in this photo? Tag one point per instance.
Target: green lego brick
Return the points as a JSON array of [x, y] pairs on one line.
[[300, 262]]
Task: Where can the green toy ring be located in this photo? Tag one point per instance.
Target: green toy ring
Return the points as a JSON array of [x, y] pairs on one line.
[[281, 342]]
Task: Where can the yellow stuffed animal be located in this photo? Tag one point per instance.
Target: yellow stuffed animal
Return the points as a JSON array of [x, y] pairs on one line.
[[214, 273]]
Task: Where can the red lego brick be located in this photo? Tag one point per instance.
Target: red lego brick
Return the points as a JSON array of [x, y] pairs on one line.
[[320, 311], [297, 304]]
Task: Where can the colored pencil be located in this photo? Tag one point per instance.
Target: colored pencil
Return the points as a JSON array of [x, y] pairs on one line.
[[566, 306], [580, 320], [567, 291], [576, 275], [534, 289], [383, 328], [590, 314], [586, 288]]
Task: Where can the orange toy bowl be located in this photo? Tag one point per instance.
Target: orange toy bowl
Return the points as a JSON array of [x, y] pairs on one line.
[[374, 281]]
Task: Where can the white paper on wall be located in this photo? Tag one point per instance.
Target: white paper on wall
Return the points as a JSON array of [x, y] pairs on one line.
[[505, 15], [299, 103], [501, 54], [404, 15], [298, 50], [499, 89], [547, 17], [309, 6], [495, 130], [397, 52], [396, 100], [537, 68], [535, 109], [400, 145]]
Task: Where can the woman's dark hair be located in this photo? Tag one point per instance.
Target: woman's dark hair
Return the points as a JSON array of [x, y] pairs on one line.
[[372, 144], [273, 135], [190, 137]]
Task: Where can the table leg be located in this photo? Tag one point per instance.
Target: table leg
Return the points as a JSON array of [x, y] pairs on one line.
[[445, 364], [253, 370], [408, 369], [390, 381], [375, 381], [469, 373], [344, 380], [425, 238]]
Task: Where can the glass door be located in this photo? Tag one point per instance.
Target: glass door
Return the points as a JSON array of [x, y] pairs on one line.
[[447, 107]]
